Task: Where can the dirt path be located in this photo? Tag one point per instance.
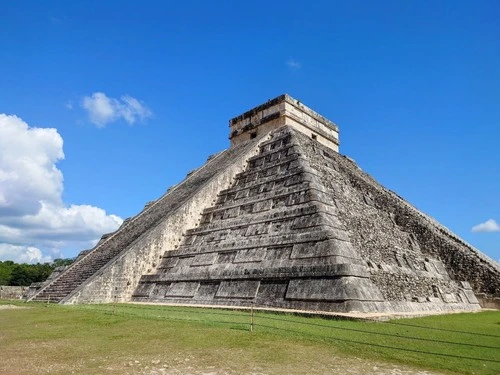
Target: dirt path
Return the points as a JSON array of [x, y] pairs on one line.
[[355, 366], [6, 307]]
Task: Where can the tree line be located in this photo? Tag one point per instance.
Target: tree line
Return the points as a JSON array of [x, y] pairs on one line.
[[24, 274]]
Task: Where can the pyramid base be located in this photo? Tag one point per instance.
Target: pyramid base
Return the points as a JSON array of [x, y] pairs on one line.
[[343, 307]]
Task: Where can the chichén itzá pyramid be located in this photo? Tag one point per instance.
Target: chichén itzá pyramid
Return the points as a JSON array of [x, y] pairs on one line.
[[281, 219]]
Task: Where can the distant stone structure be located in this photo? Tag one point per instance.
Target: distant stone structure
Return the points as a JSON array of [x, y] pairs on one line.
[[12, 292], [281, 219]]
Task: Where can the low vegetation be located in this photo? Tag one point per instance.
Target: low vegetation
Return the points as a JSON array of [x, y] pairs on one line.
[[146, 339], [24, 274]]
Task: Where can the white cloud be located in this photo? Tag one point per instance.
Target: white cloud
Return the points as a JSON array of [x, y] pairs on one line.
[[102, 109], [293, 64], [488, 226], [32, 213], [23, 254], [28, 173]]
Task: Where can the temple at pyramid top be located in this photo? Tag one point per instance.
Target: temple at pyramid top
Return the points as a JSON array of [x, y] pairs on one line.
[[281, 111]]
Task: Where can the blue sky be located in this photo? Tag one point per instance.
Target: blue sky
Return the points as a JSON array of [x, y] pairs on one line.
[[137, 94]]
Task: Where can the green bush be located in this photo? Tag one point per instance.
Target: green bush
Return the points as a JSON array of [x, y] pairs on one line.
[[24, 274]]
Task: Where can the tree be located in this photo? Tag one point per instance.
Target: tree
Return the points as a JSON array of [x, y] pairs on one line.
[[6, 271], [20, 275], [25, 274]]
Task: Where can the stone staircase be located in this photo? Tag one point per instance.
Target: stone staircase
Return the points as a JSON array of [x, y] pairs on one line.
[[111, 246], [270, 238], [76, 275]]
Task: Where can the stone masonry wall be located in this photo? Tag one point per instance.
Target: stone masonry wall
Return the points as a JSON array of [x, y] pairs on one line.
[[398, 267], [12, 292], [401, 244]]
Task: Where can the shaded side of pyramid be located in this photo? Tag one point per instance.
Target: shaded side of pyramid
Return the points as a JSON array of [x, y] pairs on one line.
[[416, 263], [301, 227]]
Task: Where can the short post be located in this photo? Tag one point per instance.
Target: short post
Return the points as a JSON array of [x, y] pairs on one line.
[[114, 305], [251, 316], [48, 299]]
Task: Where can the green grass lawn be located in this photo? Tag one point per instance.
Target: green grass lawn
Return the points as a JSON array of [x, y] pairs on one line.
[[140, 339]]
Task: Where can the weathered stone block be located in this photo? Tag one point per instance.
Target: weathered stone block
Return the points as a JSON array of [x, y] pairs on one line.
[[346, 288], [238, 289], [272, 291], [323, 249], [182, 289], [250, 255], [205, 259], [206, 291]]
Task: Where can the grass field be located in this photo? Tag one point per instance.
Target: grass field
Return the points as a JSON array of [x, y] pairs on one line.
[[140, 339]]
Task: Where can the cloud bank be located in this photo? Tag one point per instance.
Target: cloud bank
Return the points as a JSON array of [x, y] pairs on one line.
[[23, 254], [34, 221], [488, 226], [103, 110]]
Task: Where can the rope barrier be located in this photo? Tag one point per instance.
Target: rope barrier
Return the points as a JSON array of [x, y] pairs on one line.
[[387, 346], [252, 322], [380, 333]]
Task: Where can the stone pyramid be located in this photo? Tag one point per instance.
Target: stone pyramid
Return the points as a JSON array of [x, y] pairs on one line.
[[282, 220]]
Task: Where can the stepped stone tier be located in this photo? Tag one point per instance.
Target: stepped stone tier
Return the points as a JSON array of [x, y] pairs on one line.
[[281, 219]]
